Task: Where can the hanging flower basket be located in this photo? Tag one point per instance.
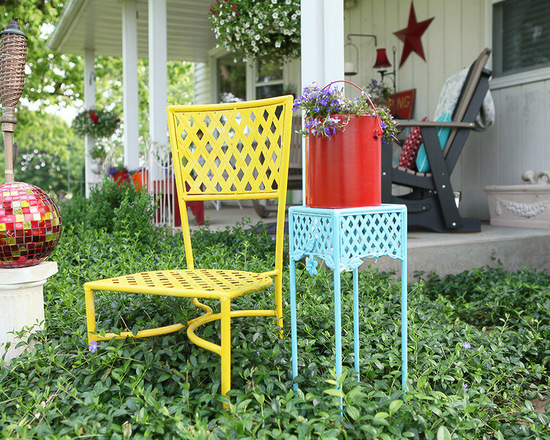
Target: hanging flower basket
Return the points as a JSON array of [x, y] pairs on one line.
[[266, 30], [96, 122]]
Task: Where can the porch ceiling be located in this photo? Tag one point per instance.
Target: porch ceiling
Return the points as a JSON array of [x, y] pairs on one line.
[[97, 25]]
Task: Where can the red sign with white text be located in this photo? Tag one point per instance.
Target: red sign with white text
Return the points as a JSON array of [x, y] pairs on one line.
[[405, 104]]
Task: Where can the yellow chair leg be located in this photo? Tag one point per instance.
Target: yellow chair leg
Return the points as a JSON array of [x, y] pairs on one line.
[[225, 323], [90, 312], [279, 303]]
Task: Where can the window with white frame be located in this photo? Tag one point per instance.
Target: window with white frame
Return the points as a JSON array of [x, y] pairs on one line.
[[521, 36], [269, 80], [231, 79]]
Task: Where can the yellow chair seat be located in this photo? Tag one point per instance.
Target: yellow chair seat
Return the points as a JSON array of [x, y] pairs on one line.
[[198, 283]]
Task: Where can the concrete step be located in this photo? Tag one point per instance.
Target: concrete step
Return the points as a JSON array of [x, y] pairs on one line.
[[495, 246]]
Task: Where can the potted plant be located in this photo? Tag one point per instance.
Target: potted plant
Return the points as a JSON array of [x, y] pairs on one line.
[[343, 147], [264, 31], [379, 92], [119, 174], [98, 123]]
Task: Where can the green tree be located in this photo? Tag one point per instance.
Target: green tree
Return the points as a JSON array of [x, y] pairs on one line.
[[43, 139], [57, 79], [51, 78], [47, 151]]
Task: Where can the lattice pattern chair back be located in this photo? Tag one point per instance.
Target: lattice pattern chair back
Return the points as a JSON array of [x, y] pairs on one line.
[[231, 151]]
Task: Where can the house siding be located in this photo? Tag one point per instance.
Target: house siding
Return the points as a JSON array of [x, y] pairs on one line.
[[453, 40], [201, 83], [460, 30], [520, 136]]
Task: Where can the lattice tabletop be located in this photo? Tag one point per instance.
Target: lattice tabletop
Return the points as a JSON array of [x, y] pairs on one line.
[[342, 238]]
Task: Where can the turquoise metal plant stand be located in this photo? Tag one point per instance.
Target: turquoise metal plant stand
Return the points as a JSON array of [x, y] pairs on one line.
[[342, 238]]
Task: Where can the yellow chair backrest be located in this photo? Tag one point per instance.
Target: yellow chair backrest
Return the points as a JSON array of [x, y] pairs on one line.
[[232, 151]]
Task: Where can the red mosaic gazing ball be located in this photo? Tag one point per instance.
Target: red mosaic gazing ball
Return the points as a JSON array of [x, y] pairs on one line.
[[30, 225]]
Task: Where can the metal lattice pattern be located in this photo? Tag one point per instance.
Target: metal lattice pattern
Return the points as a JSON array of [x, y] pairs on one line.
[[312, 235], [184, 282], [360, 235], [343, 238], [371, 235], [235, 151]]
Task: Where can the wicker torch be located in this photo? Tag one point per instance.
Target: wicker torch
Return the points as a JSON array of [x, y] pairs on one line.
[[13, 54]]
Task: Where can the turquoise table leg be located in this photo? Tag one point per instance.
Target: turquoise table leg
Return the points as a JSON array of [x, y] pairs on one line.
[[356, 320], [338, 322], [293, 331], [404, 332]]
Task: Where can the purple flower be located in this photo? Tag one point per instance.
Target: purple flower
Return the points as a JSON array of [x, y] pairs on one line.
[[93, 346], [465, 387], [466, 345]]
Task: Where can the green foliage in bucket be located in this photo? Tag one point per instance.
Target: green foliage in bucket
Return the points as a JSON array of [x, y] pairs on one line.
[[320, 105]]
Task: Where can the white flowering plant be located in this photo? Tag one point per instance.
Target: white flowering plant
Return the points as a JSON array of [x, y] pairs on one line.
[[266, 30]]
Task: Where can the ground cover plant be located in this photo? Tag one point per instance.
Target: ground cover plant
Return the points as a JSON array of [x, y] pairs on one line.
[[478, 354]]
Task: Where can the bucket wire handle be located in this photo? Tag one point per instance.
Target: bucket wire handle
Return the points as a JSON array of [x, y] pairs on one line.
[[378, 131]]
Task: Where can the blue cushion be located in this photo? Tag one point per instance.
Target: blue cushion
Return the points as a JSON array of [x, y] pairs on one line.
[[422, 164]]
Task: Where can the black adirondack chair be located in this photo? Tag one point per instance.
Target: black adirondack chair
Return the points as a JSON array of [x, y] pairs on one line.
[[431, 201]]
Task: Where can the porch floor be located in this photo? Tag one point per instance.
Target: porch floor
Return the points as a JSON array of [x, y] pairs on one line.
[[495, 246]]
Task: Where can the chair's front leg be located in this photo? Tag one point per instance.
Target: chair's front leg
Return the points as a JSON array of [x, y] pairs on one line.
[[387, 167], [441, 177], [90, 312], [225, 344], [279, 302]]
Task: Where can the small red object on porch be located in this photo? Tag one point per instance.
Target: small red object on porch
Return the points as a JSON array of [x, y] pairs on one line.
[[121, 176], [381, 59], [140, 179], [405, 104], [167, 194]]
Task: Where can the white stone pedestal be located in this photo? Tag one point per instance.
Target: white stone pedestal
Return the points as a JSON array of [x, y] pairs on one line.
[[21, 303]]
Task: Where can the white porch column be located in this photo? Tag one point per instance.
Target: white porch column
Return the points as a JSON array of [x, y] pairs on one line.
[[322, 47], [92, 178], [322, 41], [130, 84], [158, 126]]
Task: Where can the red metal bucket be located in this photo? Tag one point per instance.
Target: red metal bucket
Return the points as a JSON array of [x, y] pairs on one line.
[[345, 170]]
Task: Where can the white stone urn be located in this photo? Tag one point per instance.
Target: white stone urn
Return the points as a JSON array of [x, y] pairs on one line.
[[21, 304]]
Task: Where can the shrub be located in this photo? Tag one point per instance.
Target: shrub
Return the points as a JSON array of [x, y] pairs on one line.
[[115, 208]]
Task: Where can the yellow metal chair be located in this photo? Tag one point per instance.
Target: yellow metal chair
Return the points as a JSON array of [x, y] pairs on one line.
[[232, 151]]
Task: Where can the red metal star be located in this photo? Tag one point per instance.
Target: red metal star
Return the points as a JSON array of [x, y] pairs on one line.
[[411, 36]]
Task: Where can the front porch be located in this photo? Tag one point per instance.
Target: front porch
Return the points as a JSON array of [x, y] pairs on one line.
[[496, 246]]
